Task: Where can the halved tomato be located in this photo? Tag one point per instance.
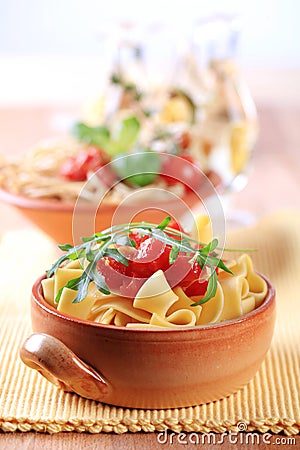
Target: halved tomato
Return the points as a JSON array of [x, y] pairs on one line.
[[77, 167], [181, 169]]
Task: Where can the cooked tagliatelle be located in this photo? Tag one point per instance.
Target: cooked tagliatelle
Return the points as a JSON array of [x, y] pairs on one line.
[[153, 302]]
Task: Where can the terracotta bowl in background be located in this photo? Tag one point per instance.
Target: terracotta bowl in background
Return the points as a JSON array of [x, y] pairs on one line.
[[55, 217], [162, 368]]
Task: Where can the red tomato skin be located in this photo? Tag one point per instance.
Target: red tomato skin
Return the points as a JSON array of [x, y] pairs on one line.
[[149, 256], [77, 167], [175, 225], [181, 272], [181, 169], [152, 255], [183, 140], [137, 238], [196, 288]]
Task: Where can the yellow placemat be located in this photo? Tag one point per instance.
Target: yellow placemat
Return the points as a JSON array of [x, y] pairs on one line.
[[269, 402]]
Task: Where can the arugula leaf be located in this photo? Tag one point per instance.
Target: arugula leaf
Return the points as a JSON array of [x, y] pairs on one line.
[[210, 247], [104, 244], [116, 255], [100, 283], [211, 289], [65, 247], [164, 223], [82, 288], [128, 87], [173, 254], [124, 241], [77, 255], [71, 284], [90, 254], [225, 268]]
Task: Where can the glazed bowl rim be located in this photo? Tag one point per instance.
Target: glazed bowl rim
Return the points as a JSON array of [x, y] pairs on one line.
[[49, 204], [39, 300]]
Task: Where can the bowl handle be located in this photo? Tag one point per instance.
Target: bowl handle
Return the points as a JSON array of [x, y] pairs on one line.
[[56, 362]]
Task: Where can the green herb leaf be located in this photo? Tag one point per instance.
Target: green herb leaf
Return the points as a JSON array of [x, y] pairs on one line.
[[71, 284], [123, 137], [82, 288], [209, 248], [98, 136], [58, 295], [225, 268], [89, 253], [77, 255], [128, 132], [128, 87], [211, 289], [65, 247], [137, 169], [164, 223], [124, 240], [88, 239], [104, 244], [116, 255], [120, 139], [100, 283], [173, 254]]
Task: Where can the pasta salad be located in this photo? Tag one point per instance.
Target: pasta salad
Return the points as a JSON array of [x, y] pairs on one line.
[[141, 275]]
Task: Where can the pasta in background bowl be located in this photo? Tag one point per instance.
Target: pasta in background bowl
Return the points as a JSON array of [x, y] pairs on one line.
[[36, 188], [102, 166], [144, 316]]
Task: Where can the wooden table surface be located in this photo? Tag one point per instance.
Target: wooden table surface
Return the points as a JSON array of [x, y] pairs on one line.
[[274, 183]]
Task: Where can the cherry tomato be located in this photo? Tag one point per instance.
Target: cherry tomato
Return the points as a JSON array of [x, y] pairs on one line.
[[186, 275], [131, 286], [144, 260], [182, 272], [151, 256], [176, 226], [183, 140], [181, 169], [192, 275], [196, 288], [137, 238], [77, 167]]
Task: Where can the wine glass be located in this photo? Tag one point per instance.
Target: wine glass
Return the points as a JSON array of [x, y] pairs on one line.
[[226, 123], [186, 89]]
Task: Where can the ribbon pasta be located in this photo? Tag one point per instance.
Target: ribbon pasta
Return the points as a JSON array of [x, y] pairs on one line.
[[157, 305]]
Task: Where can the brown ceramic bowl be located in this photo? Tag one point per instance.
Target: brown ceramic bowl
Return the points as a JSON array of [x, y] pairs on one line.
[[163, 368], [68, 222], [55, 217]]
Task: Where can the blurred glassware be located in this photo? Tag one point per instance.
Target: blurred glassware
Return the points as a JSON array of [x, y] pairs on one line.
[[186, 89], [226, 117]]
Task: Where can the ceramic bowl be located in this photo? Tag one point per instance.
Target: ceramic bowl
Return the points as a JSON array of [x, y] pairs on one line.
[[162, 368], [56, 219]]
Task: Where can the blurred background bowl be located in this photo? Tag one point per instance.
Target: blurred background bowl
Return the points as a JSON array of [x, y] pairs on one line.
[[65, 222]]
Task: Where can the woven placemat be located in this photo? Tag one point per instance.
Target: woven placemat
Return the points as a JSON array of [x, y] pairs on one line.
[[269, 402]]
